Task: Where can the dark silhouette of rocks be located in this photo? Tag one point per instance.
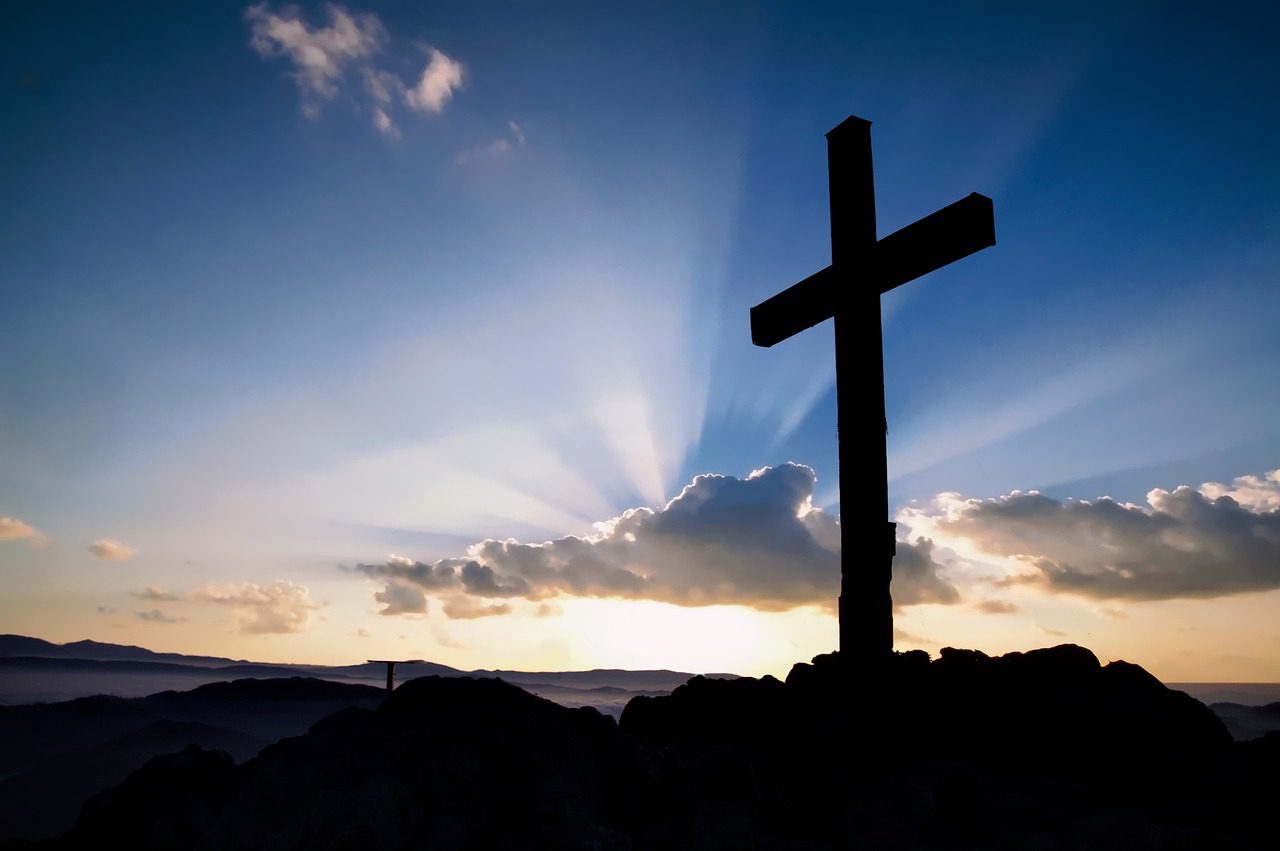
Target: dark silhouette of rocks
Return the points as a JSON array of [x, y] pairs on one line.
[[53, 757], [1041, 749], [46, 799]]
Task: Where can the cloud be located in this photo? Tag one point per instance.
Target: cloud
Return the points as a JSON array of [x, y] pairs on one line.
[[910, 638], [436, 85], [151, 592], [995, 607], [916, 579], [757, 542], [401, 598], [498, 147], [13, 529], [1210, 541], [381, 88], [280, 607], [157, 616], [1256, 493], [111, 550], [319, 55], [466, 608]]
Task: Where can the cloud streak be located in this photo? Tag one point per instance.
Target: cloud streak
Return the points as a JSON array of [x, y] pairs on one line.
[[157, 616], [756, 541]]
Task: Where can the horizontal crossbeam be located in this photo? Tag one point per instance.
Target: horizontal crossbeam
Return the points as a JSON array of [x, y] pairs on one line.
[[952, 233]]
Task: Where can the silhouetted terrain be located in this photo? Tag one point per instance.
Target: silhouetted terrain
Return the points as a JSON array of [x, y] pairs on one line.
[[1248, 722], [22, 645], [54, 756], [33, 671], [1042, 749]]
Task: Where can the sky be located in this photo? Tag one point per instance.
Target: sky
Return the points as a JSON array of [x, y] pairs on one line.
[[418, 330]]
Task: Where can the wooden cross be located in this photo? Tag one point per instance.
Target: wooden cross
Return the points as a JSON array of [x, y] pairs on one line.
[[391, 669], [862, 269]]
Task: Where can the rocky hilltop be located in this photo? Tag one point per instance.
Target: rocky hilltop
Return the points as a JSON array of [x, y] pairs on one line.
[[1041, 749]]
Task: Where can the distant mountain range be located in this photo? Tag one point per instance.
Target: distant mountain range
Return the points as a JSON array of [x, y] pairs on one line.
[[33, 670]]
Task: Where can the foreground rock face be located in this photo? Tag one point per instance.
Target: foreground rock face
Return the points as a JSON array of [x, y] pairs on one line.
[[1047, 748]]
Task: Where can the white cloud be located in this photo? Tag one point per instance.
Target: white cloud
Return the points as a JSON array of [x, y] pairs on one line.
[[436, 85], [276, 608], [319, 55], [1257, 493], [111, 549], [13, 529], [1185, 543], [756, 542]]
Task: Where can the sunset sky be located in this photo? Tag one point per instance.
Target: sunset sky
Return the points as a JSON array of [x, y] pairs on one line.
[[420, 330]]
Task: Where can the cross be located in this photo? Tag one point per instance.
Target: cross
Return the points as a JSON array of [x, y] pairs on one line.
[[391, 669], [862, 269]]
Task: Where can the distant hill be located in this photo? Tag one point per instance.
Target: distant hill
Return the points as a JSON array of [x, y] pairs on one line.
[[22, 645], [33, 670]]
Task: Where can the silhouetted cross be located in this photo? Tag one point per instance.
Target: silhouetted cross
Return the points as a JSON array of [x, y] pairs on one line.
[[849, 290], [391, 669]]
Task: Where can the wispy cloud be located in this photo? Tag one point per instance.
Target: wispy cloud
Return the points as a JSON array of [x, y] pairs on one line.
[[514, 138], [157, 616], [381, 87], [280, 607], [13, 529], [321, 57], [151, 592], [111, 550]]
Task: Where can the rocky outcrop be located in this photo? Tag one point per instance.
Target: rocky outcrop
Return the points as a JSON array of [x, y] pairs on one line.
[[1044, 749]]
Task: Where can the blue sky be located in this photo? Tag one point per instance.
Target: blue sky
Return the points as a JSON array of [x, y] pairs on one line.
[[253, 335]]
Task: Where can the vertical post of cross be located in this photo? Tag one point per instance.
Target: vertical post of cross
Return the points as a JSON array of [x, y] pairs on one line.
[[866, 558]]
